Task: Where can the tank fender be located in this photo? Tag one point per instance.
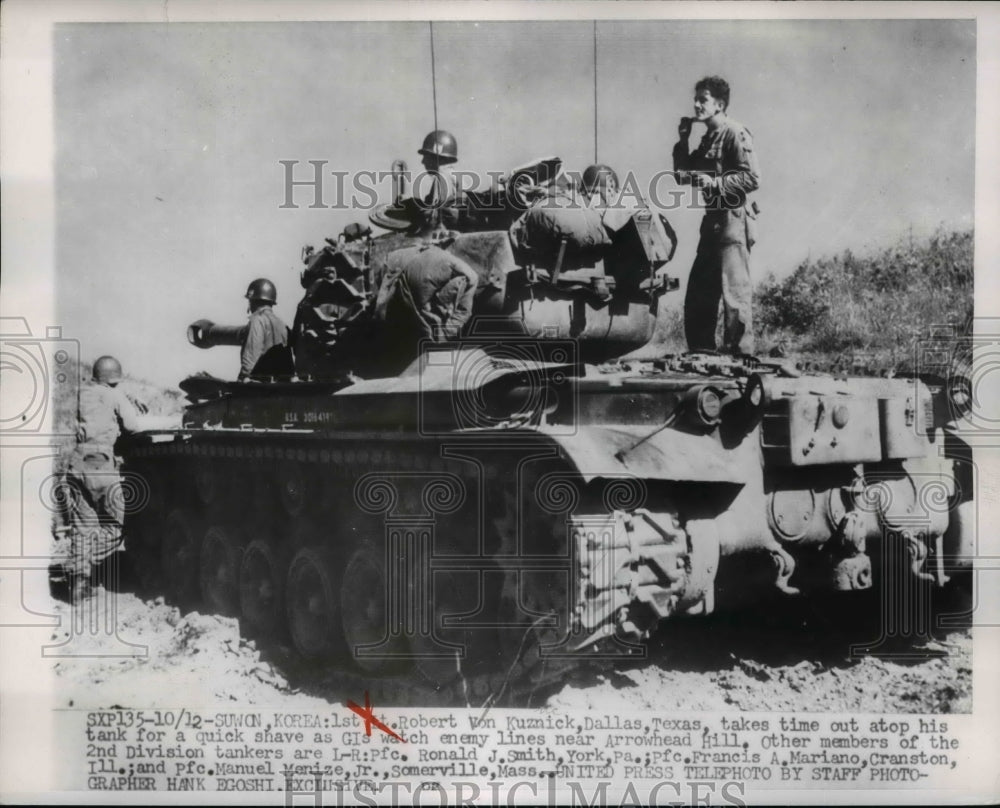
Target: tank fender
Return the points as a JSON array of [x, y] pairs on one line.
[[447, 368], [598, 451]]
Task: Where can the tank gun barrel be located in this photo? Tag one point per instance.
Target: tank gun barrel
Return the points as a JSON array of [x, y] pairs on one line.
[[206, 334]]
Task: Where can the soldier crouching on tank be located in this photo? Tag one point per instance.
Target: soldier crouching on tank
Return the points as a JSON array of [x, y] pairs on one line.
[[724, 167], [94, 498], [425, 294], [265, 351]]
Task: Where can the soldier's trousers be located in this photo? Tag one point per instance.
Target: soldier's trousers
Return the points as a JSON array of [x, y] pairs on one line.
[[721, 269], [95, 508]]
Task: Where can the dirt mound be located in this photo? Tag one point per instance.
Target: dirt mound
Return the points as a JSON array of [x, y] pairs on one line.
[[161, 658], [195, 659]]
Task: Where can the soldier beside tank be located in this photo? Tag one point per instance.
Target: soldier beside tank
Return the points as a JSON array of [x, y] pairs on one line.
[[265, 351], [724, 167], [94, 512]]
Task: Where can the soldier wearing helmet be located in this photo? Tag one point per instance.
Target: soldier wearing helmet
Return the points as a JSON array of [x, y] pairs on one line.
[[438, 152], [724, 167], [94, 503], [600, 184], [265, 350]]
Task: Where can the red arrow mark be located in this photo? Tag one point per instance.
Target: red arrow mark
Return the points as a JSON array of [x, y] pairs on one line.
[[366, 713]]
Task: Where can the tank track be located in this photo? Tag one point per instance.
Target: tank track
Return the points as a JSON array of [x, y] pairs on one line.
[[201, 480]]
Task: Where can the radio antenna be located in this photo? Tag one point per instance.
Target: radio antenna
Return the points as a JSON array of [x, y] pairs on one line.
[[434, 91], [595, 91]]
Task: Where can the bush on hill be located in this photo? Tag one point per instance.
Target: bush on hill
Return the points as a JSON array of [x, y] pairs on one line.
[[876, 305]]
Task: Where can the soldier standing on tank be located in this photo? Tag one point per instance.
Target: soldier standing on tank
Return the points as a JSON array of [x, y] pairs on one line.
[[95, 503], [724, 167], [265, 350], [438, 153]]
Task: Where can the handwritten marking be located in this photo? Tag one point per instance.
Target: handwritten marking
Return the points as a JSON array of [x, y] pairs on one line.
[[369, 718]]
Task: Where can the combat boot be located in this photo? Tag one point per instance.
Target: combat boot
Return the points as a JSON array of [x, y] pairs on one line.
[[81, 589], [60, 583]]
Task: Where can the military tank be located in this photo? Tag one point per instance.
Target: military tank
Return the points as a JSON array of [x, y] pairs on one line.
[[458, 518]]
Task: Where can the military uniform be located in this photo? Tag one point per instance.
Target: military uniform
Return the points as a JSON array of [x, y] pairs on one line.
[[722, 264], [441, 203], [96, 504], [265, 349], [435, 288], [425, 293]]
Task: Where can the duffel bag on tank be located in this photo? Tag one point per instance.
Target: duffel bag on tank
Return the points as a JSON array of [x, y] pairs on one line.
[[538, 236]]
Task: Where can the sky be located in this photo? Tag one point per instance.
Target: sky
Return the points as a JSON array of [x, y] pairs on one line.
[[169, 137]]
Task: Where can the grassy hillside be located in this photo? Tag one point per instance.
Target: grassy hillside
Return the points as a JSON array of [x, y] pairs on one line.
[[868, 308], [875, 305]]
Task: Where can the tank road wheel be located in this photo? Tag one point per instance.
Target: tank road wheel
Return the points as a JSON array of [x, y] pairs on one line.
[[179, 555], [304, 533], [262, 588], [313, 606], [364, 601], [221, 554]]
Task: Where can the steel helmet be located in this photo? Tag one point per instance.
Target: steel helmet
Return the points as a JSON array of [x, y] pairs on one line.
[[262, 291], [597, 175], [441, 144], [107, 370]]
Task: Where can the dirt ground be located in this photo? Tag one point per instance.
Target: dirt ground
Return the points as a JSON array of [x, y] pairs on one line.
[[756, 660]]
